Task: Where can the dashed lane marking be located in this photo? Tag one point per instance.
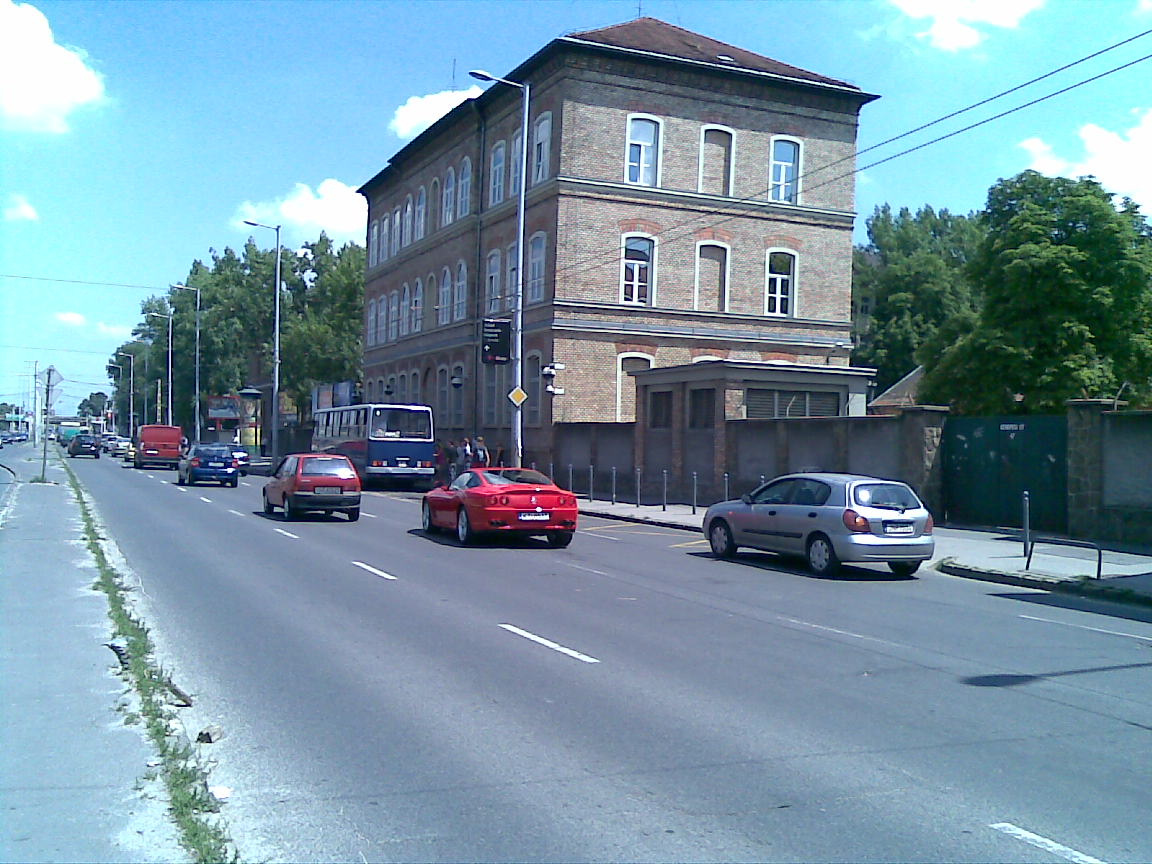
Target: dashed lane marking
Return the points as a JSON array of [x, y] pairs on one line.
[[374, 571], [1045, 844], [205, 500], [286, 533], [236, 513], [548, 643], [586, 569]]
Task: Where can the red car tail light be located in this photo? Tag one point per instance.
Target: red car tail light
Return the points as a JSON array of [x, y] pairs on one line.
[[195, 463], [504, 500], [856, 523], [929, 525], [235, 463]]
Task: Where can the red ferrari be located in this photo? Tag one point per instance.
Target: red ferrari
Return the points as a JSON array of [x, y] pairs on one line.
[[514, 500]]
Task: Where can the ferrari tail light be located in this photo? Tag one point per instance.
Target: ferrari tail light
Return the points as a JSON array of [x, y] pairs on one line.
[[504, 500], [856, 523]]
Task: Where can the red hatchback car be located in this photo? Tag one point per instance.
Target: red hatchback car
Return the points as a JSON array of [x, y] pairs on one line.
[[501, 500], [313, 481]]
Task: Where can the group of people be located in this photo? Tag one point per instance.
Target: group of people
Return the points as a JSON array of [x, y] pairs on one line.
[[455, 457]]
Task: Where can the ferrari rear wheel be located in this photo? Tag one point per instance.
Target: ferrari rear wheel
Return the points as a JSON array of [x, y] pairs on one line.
[[560, 539], [464, 532]]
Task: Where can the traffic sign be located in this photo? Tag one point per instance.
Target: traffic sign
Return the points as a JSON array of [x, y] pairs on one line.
[[496, 339], [517, 396]]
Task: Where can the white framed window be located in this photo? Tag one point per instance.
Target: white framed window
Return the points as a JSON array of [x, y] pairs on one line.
[[784, 171], [396, 235], [780, 282], [381, 318], [497, 408], [534, 289], [532, 387], [717, 160], [541, 147], [442, 392], [711, 293], [374, 243], [417, 311], [638, 273], [370, 324], [448, 208], [421, 213], [405, 306], [444, 303], [393, 316], [382, 255], [433, 205], [642, 165], [406, 238], [496, 175], [510, 277], [630, 361], [464, 192], [458, 398], [515, 156], [460, 295], [492, 283]]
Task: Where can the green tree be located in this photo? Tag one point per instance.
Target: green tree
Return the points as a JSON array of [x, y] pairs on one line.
[[93, 405], [1066, 279], [914, 269]]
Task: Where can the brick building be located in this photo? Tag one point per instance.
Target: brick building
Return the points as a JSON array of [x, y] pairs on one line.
[[686, 200]]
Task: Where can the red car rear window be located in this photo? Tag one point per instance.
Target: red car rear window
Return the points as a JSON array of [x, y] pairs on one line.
[[327, 467]]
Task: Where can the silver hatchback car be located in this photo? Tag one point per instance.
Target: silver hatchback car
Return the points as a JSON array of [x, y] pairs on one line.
[[829, 519]]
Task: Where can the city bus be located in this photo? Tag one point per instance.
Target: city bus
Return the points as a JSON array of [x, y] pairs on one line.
[[384, 441]]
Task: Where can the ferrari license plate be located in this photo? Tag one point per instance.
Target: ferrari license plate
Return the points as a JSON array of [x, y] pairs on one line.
[[535, 517], [327, 490]]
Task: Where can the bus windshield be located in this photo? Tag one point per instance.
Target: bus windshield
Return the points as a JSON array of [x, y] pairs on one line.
[[400, 423]]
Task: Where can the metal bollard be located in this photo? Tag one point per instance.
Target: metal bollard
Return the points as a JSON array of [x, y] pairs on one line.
[[613, 484], [552, 472], [664, 503], [571, 488], [693, 493], [591, 484], [727, 495], [1027, 528], [638, 487]]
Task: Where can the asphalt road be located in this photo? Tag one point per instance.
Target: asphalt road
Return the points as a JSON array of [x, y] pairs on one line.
[[387, 695]]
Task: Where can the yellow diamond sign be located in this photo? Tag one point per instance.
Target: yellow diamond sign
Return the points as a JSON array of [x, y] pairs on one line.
[[517, 396]]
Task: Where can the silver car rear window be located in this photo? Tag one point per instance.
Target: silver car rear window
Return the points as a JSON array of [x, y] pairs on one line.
[[888, 495]]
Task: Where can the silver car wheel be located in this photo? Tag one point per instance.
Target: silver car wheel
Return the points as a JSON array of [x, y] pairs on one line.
[[720, 539], [822, 557]]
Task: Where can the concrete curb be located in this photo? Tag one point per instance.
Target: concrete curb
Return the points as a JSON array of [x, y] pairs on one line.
[[1078, 587], [642, 520]]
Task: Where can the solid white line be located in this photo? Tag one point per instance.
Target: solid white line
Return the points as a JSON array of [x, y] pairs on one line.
[[205, 500], [373, 570], [236, 512], [1045, 844], [590, 533], [1085, 627], [285, 533], [369, 515], [540, 640], [586, 569]]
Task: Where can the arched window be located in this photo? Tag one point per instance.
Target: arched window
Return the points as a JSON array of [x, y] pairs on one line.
[[711, 277], [396, 235], [442, 392], [393, 316], [458, 398], [532, 385], [370, 326], [541, 147], [643, 163], [421, 213], [464, 193], [374, 243], [780, 283], [402, 389], [382, 255], [534, 287], [716, 160], [626, 385], [460, 297], [417, 310], [434, 205], [414, 388], [405, 309], [496, 175], [784, 171], [515, 156], [638, 273], [448, 208], [492, 283], [407, 237], [381, 318], [444, 301]]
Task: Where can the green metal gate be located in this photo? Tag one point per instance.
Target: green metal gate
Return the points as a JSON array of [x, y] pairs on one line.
[[990, 461]]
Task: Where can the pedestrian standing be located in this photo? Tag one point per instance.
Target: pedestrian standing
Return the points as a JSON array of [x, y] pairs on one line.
[[479, 453], [451, 457]]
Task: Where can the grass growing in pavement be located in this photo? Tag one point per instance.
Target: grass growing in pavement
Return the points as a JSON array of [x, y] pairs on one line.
[[192, 806]]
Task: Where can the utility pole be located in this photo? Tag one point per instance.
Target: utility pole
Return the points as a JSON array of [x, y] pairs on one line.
[[47, 401]]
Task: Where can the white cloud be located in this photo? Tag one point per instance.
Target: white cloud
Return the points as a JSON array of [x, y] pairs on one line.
[[118, 331], [334, 208], [954, 24], [20, 210], [41, 82], [420, 112], [72, 319], [1119, 160]]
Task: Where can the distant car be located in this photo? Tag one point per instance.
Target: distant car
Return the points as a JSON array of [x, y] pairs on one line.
[[84, 445], [518, 501], [241, 456], [157, 444], [829, 519], [304, 482], [208, 462], [130, 453], [119, 446], [106, 441]]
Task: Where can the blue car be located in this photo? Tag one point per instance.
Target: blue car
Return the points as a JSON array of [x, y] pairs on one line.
[[213, 462]]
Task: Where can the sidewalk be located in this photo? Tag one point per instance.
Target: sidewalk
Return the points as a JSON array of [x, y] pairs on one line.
[[72, 768], [991, 556]]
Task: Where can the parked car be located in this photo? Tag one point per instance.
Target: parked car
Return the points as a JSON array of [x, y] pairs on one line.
[[829, 519], [130, 453], [84, 445], [157, 444], [213, 462], [304, 482], [106, 441], [118, 446], [517, 501]]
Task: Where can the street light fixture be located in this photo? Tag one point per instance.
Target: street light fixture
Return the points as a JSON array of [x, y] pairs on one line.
[[197, 290], [275, 341], [518, 306], [169, 317], [131, 391]]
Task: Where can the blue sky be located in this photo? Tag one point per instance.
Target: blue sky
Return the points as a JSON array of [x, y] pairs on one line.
[[135, 137]]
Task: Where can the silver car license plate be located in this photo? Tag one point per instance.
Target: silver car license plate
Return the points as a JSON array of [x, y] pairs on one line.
[[899, 528]]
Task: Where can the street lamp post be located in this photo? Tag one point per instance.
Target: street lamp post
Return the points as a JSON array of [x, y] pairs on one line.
[[169, 317], [119, 381], [131, 391], [518, 300], [275, 341], [197, 290]]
